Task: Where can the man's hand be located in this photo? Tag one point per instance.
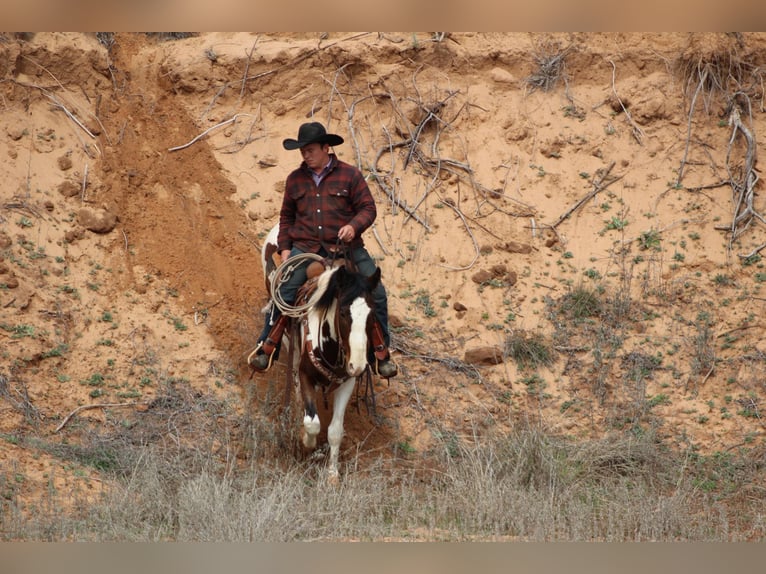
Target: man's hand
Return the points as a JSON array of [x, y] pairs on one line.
[[346, 233], [285, 255]]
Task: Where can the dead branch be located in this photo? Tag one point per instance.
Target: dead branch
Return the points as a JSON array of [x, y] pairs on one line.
[[432, 114], [84, 183], [93, 406], [635, 130], [217, 95], [476, 249], [703, 78], [247, 67], [379, 240], [744, 190], [379, 179], [597, 186], [307, 55], [754, 252], [55, 79], [207, 131]]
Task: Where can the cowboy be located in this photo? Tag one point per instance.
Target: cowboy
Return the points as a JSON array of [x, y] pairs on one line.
[[326, 201]]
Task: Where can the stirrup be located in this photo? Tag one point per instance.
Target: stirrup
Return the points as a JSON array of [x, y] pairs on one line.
[[251, 358], [391, 362]]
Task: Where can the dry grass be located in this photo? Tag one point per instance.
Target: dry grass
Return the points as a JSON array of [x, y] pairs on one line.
[[529, 485]]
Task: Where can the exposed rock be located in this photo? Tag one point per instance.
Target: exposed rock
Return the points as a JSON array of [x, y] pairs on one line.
[[499, 270], [481, 276], [97, 220], [483, 356], [15, 132], [69, 189], [516, 247], [64, 162], [459, 307], [501, 76], [73, 235]]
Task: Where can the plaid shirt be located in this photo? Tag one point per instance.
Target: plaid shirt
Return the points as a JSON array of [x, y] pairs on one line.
[[312, 215]]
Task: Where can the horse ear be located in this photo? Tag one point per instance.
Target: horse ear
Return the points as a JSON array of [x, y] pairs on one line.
[[374, 279]]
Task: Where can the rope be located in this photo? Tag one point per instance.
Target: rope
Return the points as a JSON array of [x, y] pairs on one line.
[[282, 275]]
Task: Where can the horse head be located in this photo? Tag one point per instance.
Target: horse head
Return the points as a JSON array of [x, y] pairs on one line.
[[340, 318]]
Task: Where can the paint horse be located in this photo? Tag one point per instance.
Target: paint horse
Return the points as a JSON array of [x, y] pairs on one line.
[[335, 334]]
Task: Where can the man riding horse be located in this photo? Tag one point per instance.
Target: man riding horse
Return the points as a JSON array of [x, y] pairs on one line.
[[326, 202]]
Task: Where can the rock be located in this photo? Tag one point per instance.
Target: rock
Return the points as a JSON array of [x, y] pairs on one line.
[[5, 240], [498, 270], [73, 235], [501, 76], [11, 282], [69, 189], [459, 307], [97, 220], [16, 133], [64, 162], [483, 356], [267, 161], [516, 247], [481, 276]]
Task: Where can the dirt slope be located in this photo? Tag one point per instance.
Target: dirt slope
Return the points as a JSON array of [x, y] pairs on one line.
[[125, 265]]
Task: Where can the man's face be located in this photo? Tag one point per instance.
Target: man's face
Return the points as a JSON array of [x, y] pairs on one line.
[[316, 155]]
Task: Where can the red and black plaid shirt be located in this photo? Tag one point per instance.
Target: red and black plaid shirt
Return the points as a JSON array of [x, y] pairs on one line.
[[312, 215]]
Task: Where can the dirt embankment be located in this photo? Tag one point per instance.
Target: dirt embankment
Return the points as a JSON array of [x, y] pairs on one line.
[[125, 265]]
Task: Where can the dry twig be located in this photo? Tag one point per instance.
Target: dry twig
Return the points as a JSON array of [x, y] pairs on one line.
[[599, 185], [635, 130], [93, 406], [207, 131]]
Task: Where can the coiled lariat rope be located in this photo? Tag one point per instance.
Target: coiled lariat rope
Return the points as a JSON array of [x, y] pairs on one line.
[[282, 275]]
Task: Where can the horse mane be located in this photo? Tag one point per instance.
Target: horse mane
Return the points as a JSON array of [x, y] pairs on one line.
[[335, 281]]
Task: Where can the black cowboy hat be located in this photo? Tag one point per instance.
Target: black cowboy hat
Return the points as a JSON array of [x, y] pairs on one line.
[[312, 132]]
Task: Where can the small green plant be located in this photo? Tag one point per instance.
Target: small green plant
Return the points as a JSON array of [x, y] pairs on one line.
[[95, 380], [661, 399], [423, 302], [529, 350], [615, 223], [649, 240], [751, 260], [592, 273], [581, 302], [406, 447]]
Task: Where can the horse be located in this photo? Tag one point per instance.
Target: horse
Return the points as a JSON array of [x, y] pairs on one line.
[[331, 344], [335, 335]]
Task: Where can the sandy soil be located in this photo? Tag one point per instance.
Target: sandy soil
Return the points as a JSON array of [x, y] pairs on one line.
[[124, 262]]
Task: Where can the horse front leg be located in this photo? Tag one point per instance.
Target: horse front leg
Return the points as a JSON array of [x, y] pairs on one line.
[[335, 430], [311, 422]]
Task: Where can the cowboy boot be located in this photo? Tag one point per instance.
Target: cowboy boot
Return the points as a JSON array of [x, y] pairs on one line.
[[262, 357], [383, 365]]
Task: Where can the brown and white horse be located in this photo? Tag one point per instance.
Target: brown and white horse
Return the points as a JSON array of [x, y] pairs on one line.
[[334, 342]]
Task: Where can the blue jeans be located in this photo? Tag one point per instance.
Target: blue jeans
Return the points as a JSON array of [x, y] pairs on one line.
[[366, 266]]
